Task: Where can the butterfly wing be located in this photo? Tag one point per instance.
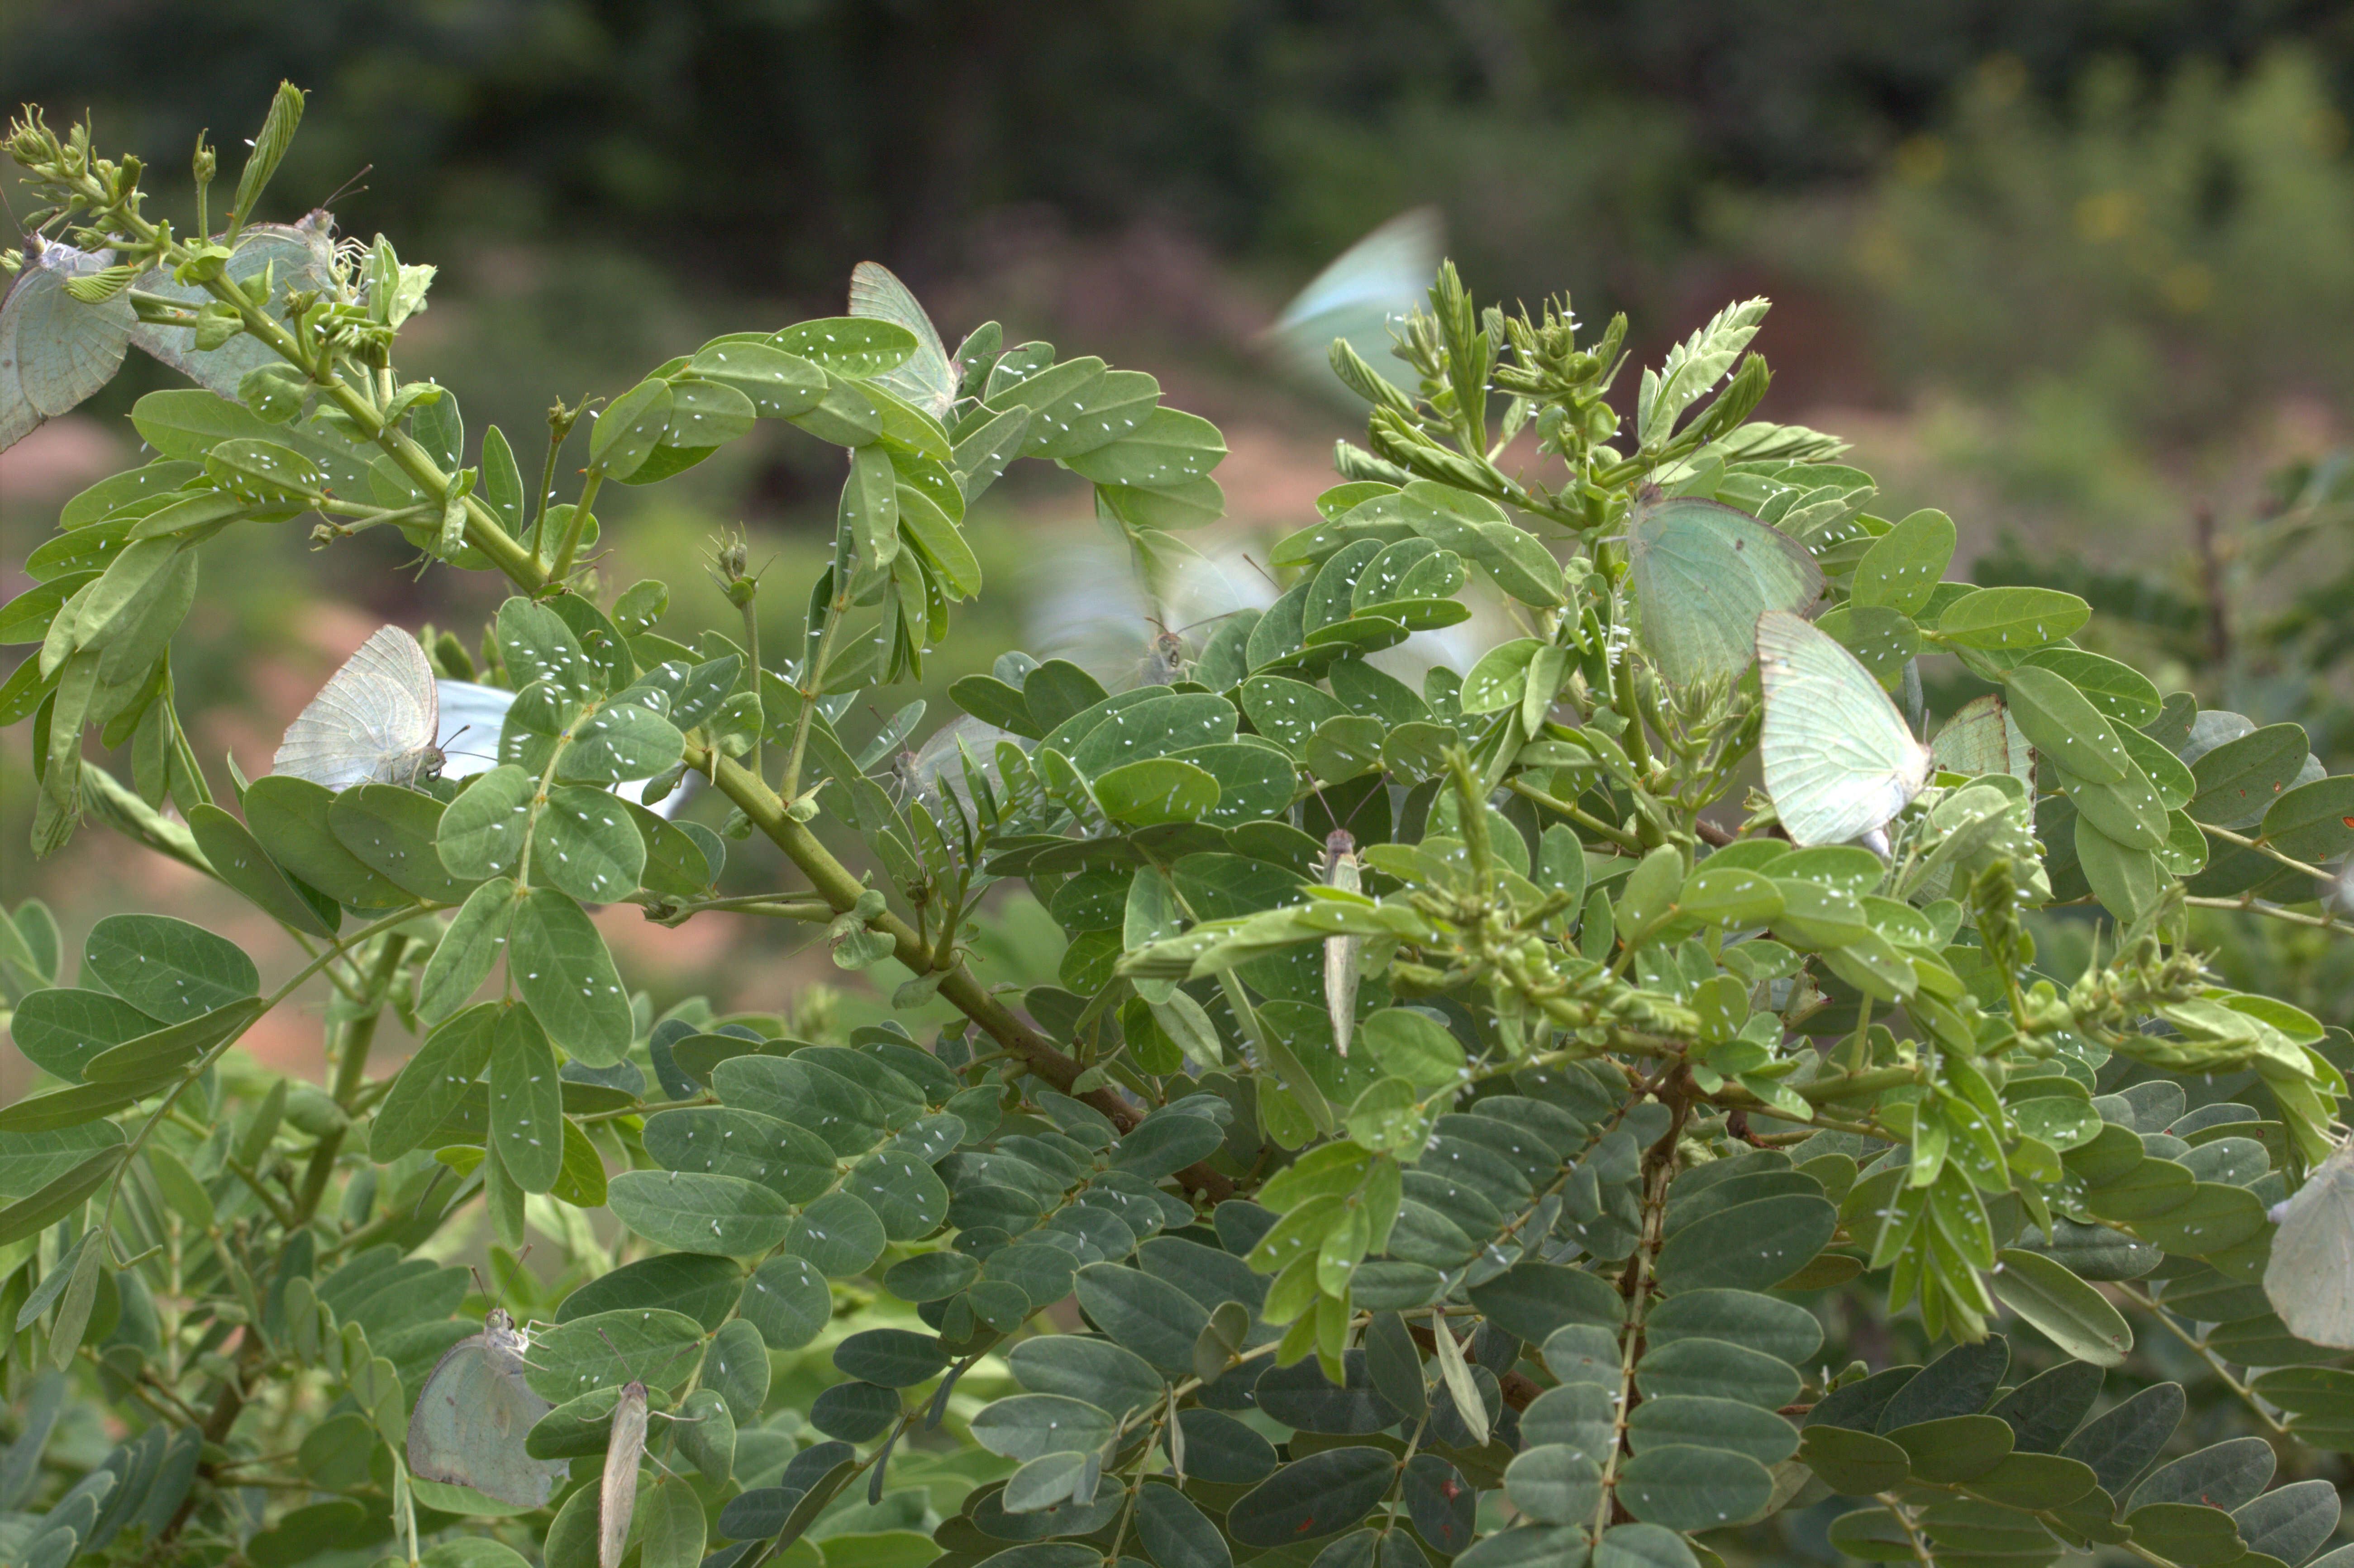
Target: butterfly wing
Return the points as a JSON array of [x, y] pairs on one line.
[[2310, 1279], [1982, 738], [470, 1423], [617, 1497], [1703, 574], [55, 350], [297, 258], [375, 719], [1378, 279], [1839, 760], [929, 380]]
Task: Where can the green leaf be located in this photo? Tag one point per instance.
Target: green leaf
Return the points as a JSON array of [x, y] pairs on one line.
[[806, 1094], [2064, 725], [2313, 822], [1530, 1300], [2289, 1522], [584, 844], [1316, 1496], [1096, 1371], [391, 831], [168, 969], [892, 1358], [61, 1029], [1163, 451], [2119, 1442], [2077, 1318], [1556, 1483], [288, 816], [2034, 1481], [173, 1048], [1903, 566], [726, 1216], [64, 1194], [238, 858], [619, 743], [2123, 694], [2193, 1534], [1780, 1329], [526, 1105], [838, 1235], [2240, 780], [781, 384], [470, 947], [482, 833], [788, 1302], [1954, 1448], [1142, 1314], [1748, 1246], [432, 1083], [1700, 1421], [671, 1519], [628, 430], [1693, 1488], [730, 1142], [2012, 618], [1729, 895], [904, 1194], [1028, 1426], [1499, 678], [1711, 1369], [607, 1350], [559, 965], [1162, 789], [1157, 726], [1856, 1463]]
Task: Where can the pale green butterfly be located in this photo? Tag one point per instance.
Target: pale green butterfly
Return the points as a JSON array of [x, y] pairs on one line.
[[1982, 738], [375, 721], [929, 379], [1373, 283], [1703, 572], [617, 1494], [301, 256], [1344, 955], [55, 350], [2310, 1278], [473, 1415], [1840, 761]]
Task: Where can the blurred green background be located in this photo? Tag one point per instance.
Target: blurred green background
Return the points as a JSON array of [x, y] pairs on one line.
[[2081, 275]]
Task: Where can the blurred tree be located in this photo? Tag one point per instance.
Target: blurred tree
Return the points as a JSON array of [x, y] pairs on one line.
[[1283, 127]]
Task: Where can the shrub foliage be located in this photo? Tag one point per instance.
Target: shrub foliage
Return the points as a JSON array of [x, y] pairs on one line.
[[1458, 1110]]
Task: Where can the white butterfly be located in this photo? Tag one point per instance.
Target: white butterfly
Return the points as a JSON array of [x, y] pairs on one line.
[[929, 378], [1373, 283], [55, 350], [2310, 1278], [375, 721], [381, 717], [1839, 760]]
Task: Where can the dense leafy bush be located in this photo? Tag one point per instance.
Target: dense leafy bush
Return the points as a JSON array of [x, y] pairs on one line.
[[1463, 1124]]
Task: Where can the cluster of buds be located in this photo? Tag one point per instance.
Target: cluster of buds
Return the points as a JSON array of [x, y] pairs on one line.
[[2108, 1002]]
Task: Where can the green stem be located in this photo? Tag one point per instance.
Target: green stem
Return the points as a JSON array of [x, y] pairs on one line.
[[2261, 848], [575, 527], [812, 680], [1637, 1290], [2249, 906], [2215, 1363], [752, 661], [1584, 818], [359, 1034], [558, 429]]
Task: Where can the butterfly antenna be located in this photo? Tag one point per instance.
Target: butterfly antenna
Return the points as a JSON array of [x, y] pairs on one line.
[[1263, 572], [350, 186]]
